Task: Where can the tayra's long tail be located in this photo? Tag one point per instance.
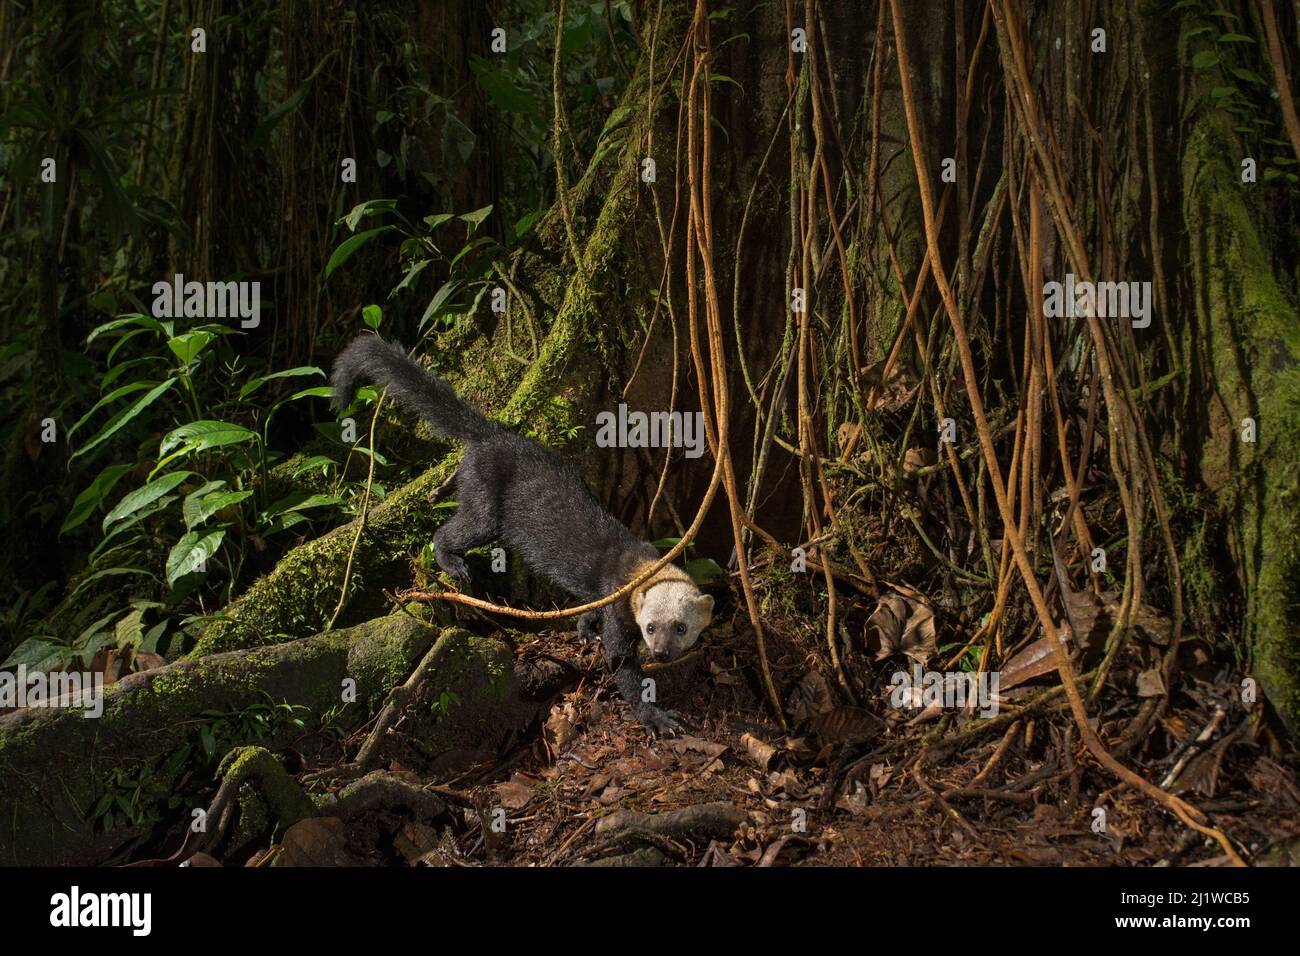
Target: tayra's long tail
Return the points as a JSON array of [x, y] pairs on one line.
[[386, 363]]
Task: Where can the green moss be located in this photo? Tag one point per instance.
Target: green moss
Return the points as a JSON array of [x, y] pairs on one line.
[[55, 765], [298, 597], [1246, 338], [262, 769]]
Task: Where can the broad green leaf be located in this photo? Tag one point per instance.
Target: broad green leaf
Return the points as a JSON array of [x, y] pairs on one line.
[[1205, 59], [321, 462], [437, 219], [502, 90], [191, 552], [368, 208], [129, 631], [187, 347], [200, 509], [202, 435], [440, 299], [344, 252], [372, 315], [115, 423], [38, 653], [145, 496], [475, 218], [93, 496], [704, 570], [525, 225]]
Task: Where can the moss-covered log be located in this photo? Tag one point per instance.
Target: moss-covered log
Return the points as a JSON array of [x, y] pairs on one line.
[[162, 732], [298, 597]]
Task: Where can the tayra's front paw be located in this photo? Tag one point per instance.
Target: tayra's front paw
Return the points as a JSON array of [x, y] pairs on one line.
[[658, 721], [455, 566]]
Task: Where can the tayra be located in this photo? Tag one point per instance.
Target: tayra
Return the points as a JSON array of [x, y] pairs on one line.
[[512, 489]]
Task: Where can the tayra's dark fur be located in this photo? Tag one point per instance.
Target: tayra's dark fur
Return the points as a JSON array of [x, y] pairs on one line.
[[510, 488]]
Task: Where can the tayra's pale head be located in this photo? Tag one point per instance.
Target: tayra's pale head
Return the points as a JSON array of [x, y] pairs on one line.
[[671, 615]]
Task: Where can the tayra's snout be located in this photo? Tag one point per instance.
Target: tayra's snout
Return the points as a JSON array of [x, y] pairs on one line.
[[661, 657]]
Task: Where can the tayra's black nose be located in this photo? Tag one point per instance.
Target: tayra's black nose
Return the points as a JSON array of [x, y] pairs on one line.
[[661, 657]]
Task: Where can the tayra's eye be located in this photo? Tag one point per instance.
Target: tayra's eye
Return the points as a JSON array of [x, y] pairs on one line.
[[649, 628], [681, 628]]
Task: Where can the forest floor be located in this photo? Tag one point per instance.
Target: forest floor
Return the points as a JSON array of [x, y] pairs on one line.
[[590, 786]]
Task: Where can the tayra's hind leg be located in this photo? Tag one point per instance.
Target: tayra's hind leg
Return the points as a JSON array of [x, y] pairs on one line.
[[589, 625]]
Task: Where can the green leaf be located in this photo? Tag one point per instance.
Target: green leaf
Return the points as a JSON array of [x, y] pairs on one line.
[[525, 225], [38, 653], [414, 270], [145, 496], [704, 570], [502, 90], [301, 501], [188, 346], [149, 642], [93, 496], [439, 300], [437, 219], [322, 462], [316, 391], [115, 423], [253, 384], [344, 252], [475, 218], [367, 208], [202, 435], [191, 552], [109, 399], [1205, 60], [129, 631], [372, 315], [1250, 76], [1235, 38], [204, 503]]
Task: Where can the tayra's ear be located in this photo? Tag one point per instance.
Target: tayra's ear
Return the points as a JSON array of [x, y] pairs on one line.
[[705, 603], [638, 599]]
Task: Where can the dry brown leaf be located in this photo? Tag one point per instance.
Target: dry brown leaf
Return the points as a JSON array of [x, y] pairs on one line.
[[315, 842], [560, 729], [695, 744], [1034, 661], [902, 625], [918, 458], [1150, 684], [761, 753], [809, 698], [517, 792], [147, 661], [843, 725]]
